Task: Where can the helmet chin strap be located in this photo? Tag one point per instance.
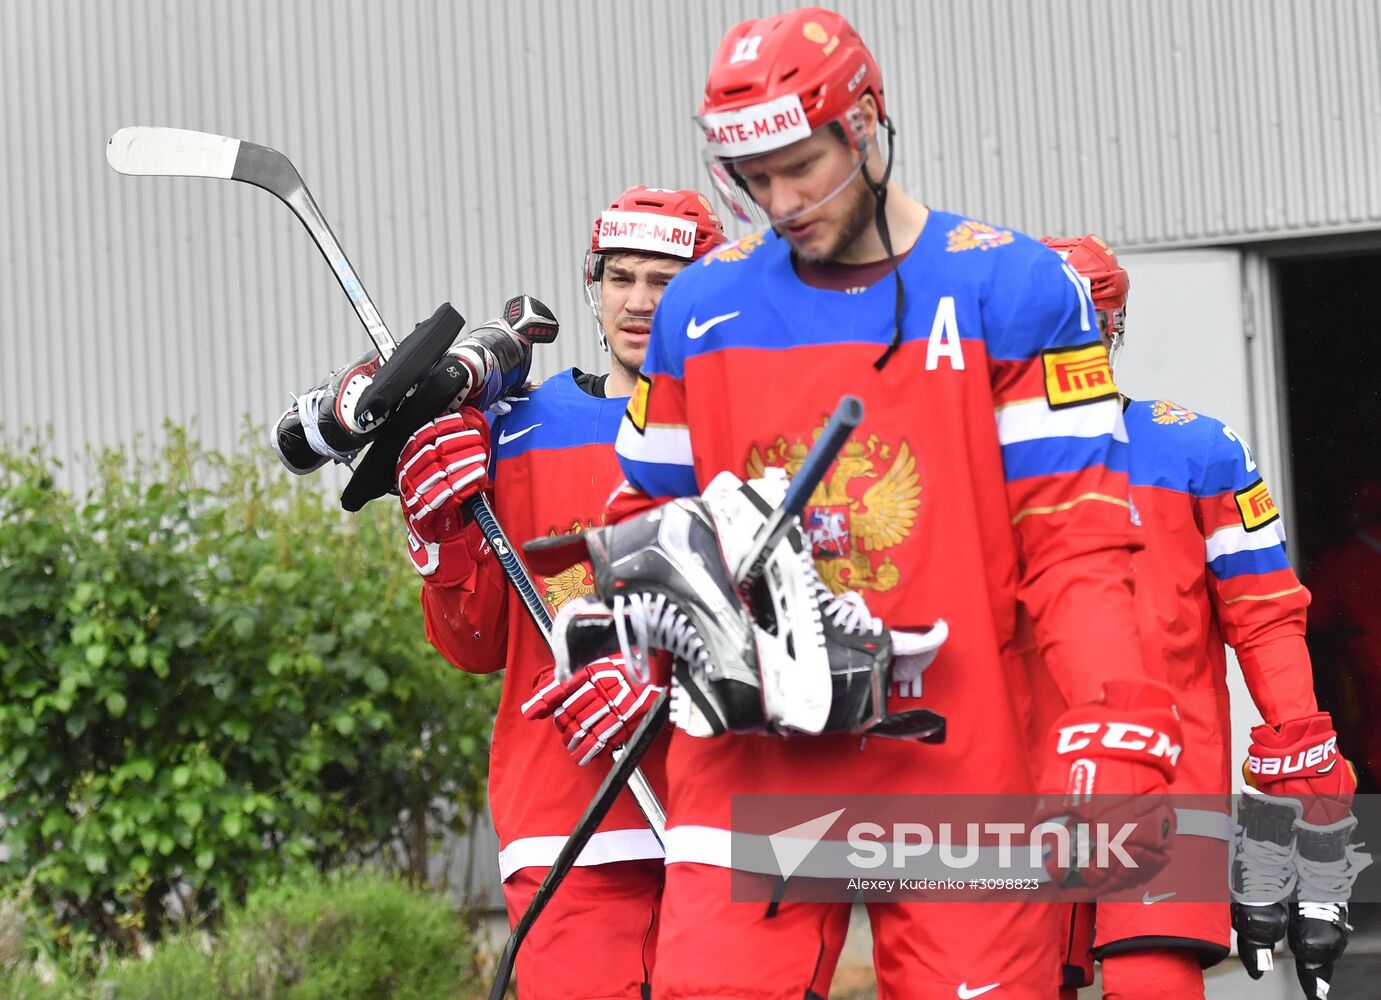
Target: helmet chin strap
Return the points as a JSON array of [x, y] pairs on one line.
[[879, 190]]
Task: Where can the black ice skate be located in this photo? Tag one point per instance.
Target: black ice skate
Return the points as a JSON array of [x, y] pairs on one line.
[[1263, 876], [662, 584], [1327, 867]]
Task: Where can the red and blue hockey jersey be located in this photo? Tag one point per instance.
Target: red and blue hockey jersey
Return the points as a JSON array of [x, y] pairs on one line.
[[990, 470], [1213, 570], [553, 469]]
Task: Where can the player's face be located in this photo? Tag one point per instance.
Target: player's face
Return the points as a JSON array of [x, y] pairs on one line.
[[629, 291], [813, 192]]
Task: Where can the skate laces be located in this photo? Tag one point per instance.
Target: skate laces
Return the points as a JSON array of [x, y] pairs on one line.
[[1332, 879], [1266, 871], [846, 611], [655, 623], [1332, 913]]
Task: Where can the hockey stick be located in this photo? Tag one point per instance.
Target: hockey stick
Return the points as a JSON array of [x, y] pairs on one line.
[[145, 150], [479, 510], [594, 814], [847, 415]]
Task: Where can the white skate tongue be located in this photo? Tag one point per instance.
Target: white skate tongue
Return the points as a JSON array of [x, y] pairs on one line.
[[912, 652]]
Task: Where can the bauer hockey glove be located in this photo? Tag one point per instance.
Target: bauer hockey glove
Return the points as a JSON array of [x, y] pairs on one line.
[[443, 464], [1294, 865], [598, 708], [1109, 772]]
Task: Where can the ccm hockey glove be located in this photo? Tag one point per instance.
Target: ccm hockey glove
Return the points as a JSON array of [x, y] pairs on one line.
[[1111, 764], [598, 708], [1294, 866], [443, 464]]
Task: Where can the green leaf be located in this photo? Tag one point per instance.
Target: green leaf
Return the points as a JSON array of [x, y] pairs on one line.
[[205, 859], [116, 703], [96, 654], [345, 724], [54, 822], [190, 811], [232, 824], [181, 775], [95, 862]]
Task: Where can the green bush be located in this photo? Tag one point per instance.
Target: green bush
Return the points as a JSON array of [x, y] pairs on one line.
[[341, 937], [208, 674]]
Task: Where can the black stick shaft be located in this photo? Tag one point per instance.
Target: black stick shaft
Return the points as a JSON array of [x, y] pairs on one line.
[[478, 508], [848, 414], [595, 812]]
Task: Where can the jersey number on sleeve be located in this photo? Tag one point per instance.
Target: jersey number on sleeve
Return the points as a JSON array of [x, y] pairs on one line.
[[1246, 452]]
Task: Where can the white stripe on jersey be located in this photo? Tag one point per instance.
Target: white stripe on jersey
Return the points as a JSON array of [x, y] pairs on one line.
[[605, 847], [1235, 538], [1033, 420], [662, 445]]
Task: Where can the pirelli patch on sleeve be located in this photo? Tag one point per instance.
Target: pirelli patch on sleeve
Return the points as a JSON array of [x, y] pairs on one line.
[[1255, 505], [1075, 375], [637, 404]]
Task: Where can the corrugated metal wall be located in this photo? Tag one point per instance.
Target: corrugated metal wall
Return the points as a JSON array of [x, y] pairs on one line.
[[461, 150]]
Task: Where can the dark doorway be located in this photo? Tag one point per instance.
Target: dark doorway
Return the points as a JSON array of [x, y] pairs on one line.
[[1331, 321], [1332, 339]]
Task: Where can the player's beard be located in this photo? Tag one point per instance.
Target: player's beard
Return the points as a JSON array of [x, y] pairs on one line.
[[859, 206]]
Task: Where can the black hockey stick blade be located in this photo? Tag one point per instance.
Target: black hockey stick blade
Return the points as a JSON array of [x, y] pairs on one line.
[[375, 471], [405, 370], [595, 812], [919, 725]]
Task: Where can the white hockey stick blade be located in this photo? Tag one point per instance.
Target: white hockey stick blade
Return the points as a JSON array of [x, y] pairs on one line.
[[148, 151]]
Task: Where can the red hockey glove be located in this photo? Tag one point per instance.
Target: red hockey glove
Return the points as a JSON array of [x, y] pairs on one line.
[[1300, 760], [442, 465], [1111, 764], [597, 708]]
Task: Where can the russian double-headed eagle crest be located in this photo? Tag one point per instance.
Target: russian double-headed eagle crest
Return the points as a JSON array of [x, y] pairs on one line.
[[573, 581], [861, 509], [1165, 412]]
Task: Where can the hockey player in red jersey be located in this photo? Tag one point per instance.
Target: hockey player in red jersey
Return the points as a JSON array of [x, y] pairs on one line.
[[1213, 570], [549, 462], [989, 467]]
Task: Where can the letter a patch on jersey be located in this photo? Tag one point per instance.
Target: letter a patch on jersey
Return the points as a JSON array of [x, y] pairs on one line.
[[637, 405], [1075, 375], [1256, 506]]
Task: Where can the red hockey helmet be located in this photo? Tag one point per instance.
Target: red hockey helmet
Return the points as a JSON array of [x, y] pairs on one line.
[[681, 225], [776, 80], [658, 221], [1107, 281]]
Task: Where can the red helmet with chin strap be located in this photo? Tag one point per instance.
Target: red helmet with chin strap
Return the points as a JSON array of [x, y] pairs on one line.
[[1108, 282], [680, 225], [775, 80]]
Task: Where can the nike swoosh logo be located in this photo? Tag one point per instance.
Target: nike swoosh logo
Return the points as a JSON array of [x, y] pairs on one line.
[[696, 330], [1148, 899], [505, 437], [966, 994], [1327, 767]]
